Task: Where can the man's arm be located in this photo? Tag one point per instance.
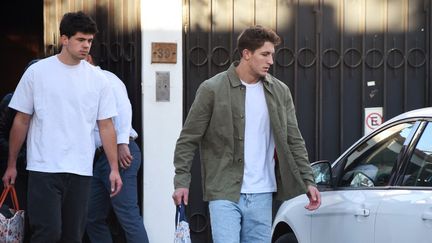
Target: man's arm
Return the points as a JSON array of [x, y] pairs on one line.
[[123, 122], [297, 143], [109, 142], [298, 148], [193, 130], [17, 137]]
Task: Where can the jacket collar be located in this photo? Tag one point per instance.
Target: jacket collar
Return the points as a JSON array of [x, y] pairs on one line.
[[235, 81]]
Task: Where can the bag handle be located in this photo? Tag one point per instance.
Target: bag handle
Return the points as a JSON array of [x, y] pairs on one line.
[[180, 213], [10, 189]]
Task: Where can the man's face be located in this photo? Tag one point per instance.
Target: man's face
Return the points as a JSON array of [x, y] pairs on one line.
[[261, 59], [78, 45]]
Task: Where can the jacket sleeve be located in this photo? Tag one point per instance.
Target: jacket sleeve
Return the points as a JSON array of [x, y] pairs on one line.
[[191, 135], [297, 144]]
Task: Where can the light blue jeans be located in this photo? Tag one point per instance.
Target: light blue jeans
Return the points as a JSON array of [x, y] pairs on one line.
[[248, 221]]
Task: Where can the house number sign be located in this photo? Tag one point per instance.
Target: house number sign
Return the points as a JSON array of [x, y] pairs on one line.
[[164, 52]]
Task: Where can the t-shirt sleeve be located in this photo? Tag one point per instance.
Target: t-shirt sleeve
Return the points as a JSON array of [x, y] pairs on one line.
[[23, 99], [107, 102]]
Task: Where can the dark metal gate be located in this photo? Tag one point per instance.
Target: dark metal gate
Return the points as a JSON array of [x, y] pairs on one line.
[[337, 56]]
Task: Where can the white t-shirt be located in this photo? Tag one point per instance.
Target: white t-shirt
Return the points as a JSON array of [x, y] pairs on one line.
[[123, 121], [259, 174], [65, 101]]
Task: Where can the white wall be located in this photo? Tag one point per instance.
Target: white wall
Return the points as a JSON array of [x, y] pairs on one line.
[[161, 21]]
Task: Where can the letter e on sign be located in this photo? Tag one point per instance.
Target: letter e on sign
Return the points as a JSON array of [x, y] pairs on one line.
[[373, 118]]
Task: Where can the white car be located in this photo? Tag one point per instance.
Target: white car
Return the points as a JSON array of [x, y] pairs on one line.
[[378, 191]]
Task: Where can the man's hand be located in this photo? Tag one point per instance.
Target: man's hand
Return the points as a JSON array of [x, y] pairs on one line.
[[314, 198], [9, 176], [124, 156], [116, 182], [181, 194]]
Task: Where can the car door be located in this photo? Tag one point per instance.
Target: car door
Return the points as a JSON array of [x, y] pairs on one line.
[[405, 214], [348, 212]]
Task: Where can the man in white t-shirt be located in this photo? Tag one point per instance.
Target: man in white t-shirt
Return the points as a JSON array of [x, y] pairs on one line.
[[59, 99]]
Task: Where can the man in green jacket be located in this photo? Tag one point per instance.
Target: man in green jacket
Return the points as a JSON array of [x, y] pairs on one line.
[[244, 122]]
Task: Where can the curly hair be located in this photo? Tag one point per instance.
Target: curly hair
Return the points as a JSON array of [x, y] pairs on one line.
[[74, 22]]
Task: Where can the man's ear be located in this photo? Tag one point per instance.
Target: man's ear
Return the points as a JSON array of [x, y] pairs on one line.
[[246, 54], [64, 40]]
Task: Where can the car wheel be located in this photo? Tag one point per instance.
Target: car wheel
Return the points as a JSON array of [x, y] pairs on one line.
[[287, 238]]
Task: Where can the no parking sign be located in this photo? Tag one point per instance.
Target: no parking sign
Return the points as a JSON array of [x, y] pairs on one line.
[[373, 118]]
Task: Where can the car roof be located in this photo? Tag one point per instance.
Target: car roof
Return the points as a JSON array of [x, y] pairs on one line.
[[423, 112]]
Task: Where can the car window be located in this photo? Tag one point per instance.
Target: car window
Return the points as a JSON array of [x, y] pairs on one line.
[[419, 169], [372, 163]]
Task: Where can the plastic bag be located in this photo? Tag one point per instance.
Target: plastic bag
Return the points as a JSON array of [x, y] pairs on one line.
[[182, 232]]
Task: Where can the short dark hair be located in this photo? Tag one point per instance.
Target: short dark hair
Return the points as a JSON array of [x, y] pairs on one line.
[[254, 37], [74, 22]]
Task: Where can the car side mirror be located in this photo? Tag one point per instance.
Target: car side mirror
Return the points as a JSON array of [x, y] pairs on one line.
[[322, 173]]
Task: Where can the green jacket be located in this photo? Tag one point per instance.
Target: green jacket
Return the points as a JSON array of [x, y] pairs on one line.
[[216, 125]]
